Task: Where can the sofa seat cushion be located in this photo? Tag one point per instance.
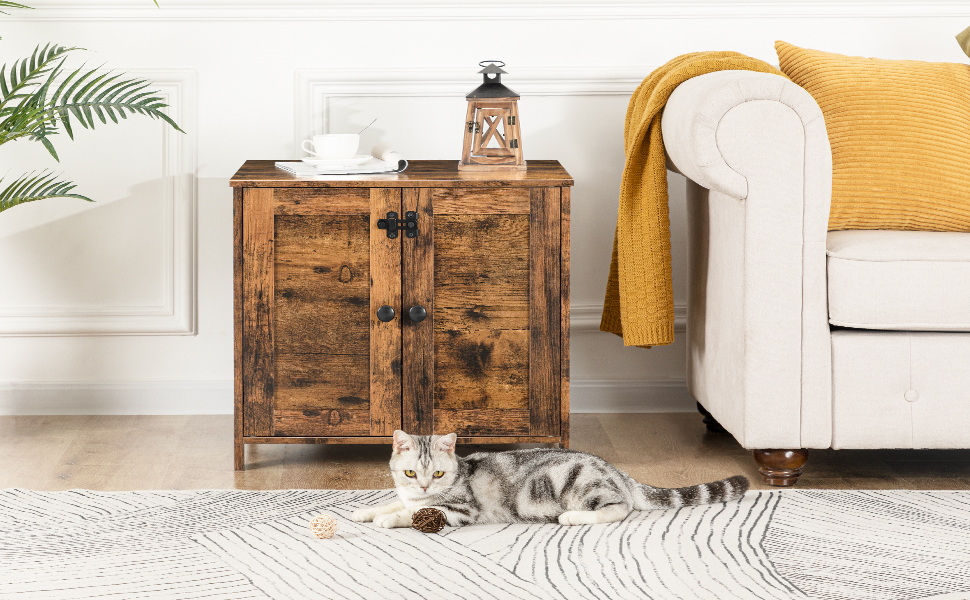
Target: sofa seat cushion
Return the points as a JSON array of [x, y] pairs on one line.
[[902, 280]]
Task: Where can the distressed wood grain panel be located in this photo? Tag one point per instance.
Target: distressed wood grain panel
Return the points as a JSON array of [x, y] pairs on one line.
[[545, 307], [311, 201], [419, 174], [480, 311], [481, 201], [487, 421], [481, 272], [417, 288], [322, 422], [237, 329], [258, 294], [385, 338], [482, 315], [317, 381], [323, 284], [481, 369], [564, 245]]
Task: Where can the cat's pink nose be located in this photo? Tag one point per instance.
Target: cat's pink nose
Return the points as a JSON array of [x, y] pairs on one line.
[[425, 489]]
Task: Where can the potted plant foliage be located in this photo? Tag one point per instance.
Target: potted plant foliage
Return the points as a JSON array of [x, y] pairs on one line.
[[40, 96], [963, 38]]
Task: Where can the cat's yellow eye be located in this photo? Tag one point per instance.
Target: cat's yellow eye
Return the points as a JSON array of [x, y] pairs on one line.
[[409, 473], [439, 473]]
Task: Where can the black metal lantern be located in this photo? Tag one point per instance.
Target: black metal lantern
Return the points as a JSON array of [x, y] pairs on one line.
[[492, 138]]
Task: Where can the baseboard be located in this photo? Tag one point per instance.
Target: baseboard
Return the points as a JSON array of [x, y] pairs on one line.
[[116, 398], [585, 318], [621, 396], [215, 397]]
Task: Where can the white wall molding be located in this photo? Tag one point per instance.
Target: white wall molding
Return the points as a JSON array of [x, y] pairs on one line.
[[585, 318], [215, 397], [456, 10], [176, 309], [315, 87], [630, 396], [116, 398]]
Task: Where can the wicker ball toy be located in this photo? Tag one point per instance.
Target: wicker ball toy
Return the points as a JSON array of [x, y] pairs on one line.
[[428, 520], [323, 526]]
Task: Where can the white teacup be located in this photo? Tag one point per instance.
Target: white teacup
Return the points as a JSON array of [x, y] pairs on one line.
[[333, 145]]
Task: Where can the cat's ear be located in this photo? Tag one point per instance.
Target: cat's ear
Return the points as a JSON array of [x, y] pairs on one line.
[[446, 443], [402, 442]]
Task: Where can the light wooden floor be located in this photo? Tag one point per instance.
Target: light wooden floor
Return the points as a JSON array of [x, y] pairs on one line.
[[185, 452]]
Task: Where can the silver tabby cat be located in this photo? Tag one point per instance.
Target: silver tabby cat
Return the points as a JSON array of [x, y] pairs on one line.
[[523, 486]]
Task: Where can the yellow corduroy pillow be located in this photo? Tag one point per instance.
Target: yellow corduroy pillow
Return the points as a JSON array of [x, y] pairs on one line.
[[900, 136]]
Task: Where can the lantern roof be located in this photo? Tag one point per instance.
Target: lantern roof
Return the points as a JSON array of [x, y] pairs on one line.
[[492, 86]]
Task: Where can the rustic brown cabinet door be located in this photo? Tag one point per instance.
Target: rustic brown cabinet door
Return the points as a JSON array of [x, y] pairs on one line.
[[318, 362], [486, 267]]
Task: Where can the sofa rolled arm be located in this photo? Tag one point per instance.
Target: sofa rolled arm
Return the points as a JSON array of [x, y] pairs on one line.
[[696, 108], [755, 148]]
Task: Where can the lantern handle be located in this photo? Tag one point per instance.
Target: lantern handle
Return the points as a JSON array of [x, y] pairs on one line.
[[482, 64]]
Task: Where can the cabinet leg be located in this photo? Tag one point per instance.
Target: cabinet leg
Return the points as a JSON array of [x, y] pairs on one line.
[[710, 421], [780, 467], [239, 455]]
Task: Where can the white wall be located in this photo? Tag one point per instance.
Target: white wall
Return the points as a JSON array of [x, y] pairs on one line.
[[124, 306]]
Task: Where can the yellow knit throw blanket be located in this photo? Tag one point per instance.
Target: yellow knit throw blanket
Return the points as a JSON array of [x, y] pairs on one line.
[[639, 304]]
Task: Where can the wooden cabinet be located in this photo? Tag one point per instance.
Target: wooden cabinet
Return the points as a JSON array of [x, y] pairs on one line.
[[479, 337]]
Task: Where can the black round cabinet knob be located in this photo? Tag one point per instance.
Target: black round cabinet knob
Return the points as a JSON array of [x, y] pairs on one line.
[[385, 313], [417, 314]]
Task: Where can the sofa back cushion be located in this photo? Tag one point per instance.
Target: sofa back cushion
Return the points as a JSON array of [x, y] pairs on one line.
[[900, 137]]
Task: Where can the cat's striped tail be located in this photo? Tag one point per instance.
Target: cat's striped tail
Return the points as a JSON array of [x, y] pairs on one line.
[[724, 490]]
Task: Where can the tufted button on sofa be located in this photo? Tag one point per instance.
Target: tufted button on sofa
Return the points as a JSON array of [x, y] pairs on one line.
[[799, 337]]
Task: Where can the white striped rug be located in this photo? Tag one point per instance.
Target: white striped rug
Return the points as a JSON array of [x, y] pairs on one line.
[[237, 544]]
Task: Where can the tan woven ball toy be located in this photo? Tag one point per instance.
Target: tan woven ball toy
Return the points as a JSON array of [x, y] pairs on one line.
[[323, 526]]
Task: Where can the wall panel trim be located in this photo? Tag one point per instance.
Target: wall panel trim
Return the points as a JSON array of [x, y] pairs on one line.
[[117, 398], [175, 311], [455, 10], [315, 87], [585, 318]]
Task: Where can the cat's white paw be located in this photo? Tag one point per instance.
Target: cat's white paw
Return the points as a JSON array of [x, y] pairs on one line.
[[392, 520], [577, 517], [364, 515]]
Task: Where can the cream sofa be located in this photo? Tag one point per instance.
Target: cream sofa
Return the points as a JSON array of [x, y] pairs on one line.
[[801, 338]]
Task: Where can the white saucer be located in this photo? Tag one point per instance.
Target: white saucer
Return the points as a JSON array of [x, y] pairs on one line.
[[337, 162]]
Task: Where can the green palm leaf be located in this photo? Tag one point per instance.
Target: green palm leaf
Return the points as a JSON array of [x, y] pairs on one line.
[[84, 95], [26, 73], [23, 93], [35, 98], [36, 186], [28, 109]]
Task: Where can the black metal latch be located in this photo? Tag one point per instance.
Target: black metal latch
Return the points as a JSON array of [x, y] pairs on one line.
[[392, 224]]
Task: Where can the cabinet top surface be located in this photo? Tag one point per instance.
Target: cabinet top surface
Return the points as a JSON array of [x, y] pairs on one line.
[[420, 173]]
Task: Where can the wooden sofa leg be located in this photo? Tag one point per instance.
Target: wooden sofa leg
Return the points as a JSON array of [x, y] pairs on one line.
[[780, 467], [710, 421]]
